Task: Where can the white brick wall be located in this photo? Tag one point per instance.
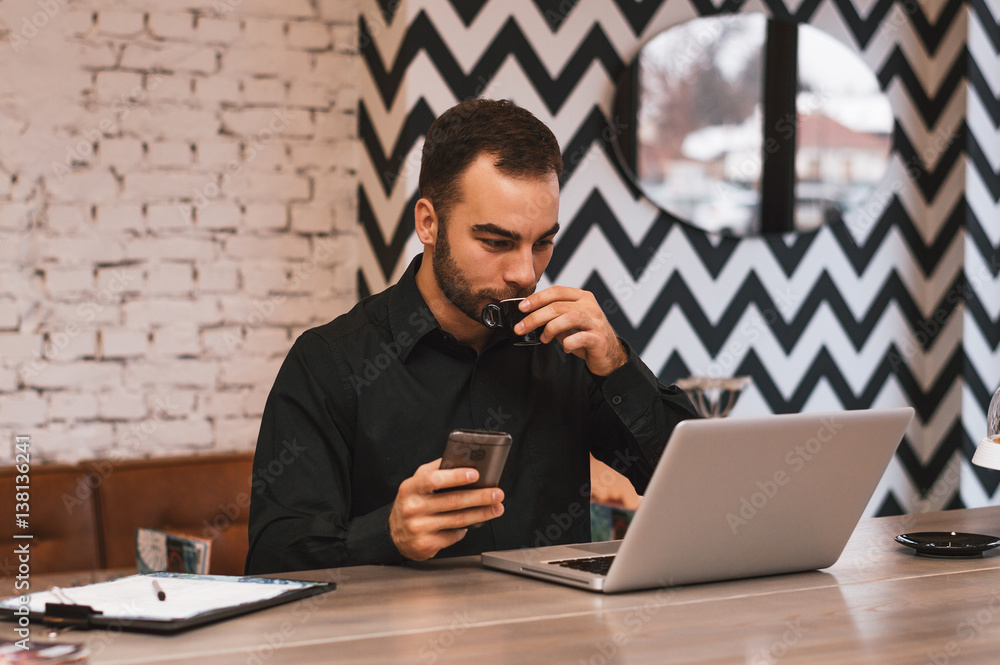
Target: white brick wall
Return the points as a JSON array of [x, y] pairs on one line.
[[170, 172]]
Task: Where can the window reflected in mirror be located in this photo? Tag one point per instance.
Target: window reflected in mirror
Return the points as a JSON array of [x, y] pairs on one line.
[[721, 142]]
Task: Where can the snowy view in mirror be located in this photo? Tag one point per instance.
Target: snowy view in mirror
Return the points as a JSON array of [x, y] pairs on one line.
[[700, 141]]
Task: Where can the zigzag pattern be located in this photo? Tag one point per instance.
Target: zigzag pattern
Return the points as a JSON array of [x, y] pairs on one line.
[[823, 294], [981, 338], [896, 219], [387, 165], [988, 326], [863, 28], [874, 317], [932, 34], [982, 165], [509, 42], [989, 21], [595, 213], [929, 107], [638, 13], [928, 181]]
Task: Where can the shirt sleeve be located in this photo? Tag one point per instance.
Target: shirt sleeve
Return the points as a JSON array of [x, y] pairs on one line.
[[300, 506], [633, 418]]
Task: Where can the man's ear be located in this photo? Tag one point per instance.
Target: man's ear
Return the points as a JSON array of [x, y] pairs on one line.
[[425, 221]]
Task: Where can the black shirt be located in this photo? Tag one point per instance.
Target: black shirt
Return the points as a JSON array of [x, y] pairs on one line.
[[362, 401]]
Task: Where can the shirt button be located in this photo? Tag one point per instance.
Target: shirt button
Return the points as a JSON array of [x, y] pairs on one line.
[[617, 399]]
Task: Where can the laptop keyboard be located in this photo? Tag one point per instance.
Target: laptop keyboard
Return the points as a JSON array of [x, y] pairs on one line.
[[598, 565]]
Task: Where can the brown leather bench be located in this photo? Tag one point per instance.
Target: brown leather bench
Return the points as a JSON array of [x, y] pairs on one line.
[[62, 520], [84, 516]]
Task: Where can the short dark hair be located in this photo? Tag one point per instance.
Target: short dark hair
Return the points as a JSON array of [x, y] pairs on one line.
[[521, 145]]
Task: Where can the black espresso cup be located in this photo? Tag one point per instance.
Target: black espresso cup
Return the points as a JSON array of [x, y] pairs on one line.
[[505, 315]]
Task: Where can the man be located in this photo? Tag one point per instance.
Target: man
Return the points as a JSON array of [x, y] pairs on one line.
[[346, 469]]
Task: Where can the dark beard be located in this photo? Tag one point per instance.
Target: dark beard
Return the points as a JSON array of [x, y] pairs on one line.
[[455, 285]]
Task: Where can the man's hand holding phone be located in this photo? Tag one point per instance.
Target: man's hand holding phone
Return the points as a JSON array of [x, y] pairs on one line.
[[425, 519]]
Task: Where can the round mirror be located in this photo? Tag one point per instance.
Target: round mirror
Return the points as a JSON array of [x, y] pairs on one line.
[[713, 135]]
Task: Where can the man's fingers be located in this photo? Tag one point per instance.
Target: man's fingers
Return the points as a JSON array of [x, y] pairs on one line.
[[430, 478], [456, 519], [576, 340], [431, 533], [543, 317], [449, 478], [550, 295], [562, 315], [420, 510], [462, 519], [424, 520], [567, 324], [447, 502]]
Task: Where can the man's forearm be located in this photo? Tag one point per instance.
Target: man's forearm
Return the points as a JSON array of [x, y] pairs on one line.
[[308, 543]]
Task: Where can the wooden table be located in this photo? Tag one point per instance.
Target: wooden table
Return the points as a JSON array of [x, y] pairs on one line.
[[878, 604]]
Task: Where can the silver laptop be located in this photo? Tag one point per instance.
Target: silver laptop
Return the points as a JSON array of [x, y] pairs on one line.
[[733, 498]]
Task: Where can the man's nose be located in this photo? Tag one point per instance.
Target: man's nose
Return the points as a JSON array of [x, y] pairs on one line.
[[520, 269]]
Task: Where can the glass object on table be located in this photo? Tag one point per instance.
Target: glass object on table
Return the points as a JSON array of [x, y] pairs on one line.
[[713, 397], [951, 543], [988, 451]]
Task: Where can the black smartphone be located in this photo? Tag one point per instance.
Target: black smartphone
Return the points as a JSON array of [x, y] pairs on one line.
[[482, 450]]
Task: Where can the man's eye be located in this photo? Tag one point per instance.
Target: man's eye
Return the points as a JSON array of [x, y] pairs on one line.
[[495, 244], [543, 244]]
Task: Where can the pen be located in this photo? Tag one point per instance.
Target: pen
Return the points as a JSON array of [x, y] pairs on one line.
[[159, 592]]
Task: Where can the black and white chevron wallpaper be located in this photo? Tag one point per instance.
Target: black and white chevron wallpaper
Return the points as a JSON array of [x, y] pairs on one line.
[[899, 304]]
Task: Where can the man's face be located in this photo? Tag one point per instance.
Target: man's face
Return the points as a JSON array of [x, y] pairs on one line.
[[497, 239]]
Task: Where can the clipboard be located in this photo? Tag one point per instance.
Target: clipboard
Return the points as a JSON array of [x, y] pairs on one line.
[[132, 603]]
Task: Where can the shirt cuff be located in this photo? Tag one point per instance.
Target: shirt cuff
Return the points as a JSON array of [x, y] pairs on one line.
[[633, 388], [368, 539]]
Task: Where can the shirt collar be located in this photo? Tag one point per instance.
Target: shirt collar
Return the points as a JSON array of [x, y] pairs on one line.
[[409, 316]]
